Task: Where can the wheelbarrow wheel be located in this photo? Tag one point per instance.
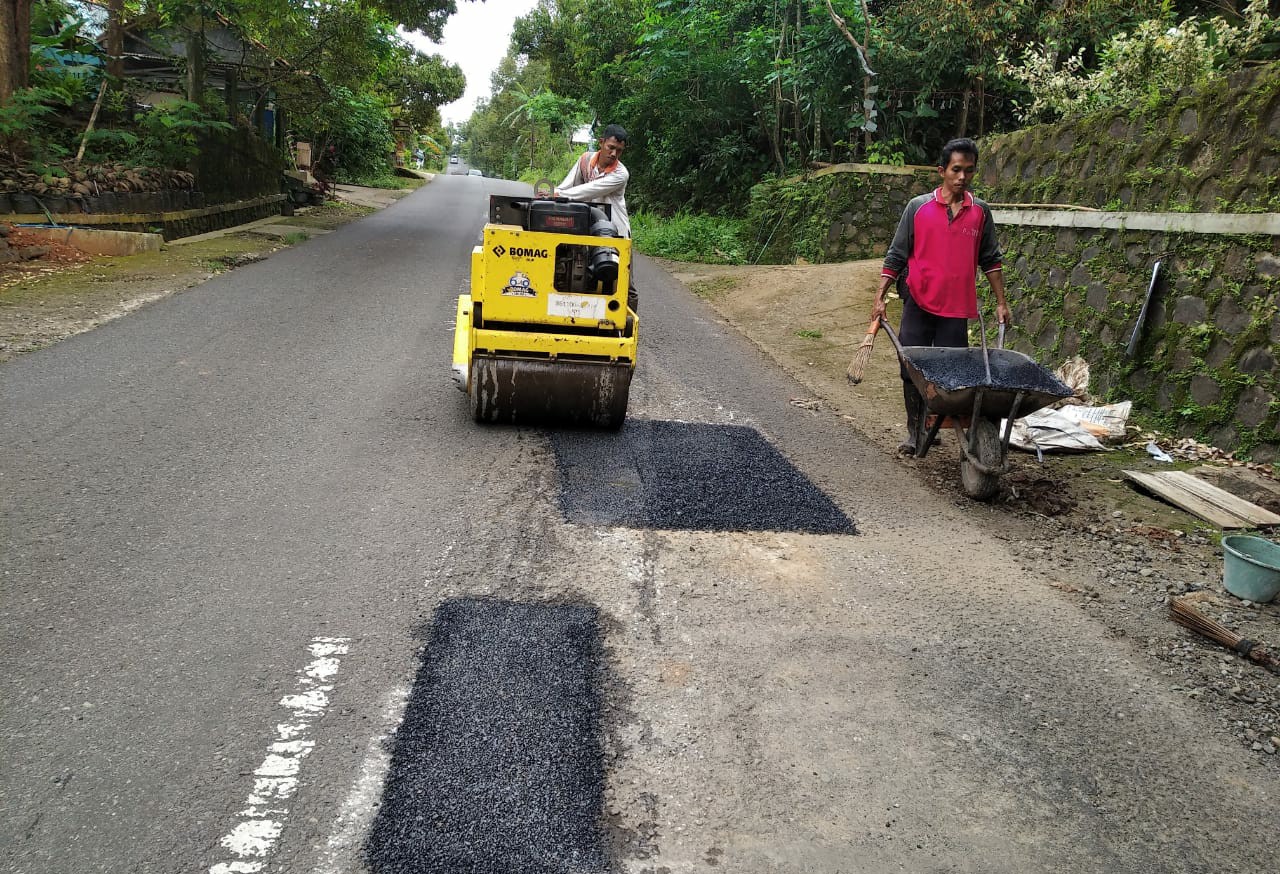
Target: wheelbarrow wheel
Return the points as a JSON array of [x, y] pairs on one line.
[[978, 485]]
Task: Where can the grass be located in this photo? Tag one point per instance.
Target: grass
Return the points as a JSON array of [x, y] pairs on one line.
[[296, 237], [714, 287], [809, 334], [688, 237]]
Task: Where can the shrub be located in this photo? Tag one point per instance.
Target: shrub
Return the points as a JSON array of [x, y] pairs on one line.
[[689, 237]]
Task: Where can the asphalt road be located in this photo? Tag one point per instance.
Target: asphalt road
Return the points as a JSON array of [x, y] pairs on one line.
[[250, 526]]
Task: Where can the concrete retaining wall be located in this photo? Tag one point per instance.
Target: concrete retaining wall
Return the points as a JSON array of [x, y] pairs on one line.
[[172, 224]]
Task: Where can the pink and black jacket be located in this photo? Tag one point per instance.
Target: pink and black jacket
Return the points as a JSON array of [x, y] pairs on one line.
[[942, 255]]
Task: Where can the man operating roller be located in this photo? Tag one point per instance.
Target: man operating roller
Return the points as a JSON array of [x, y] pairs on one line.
[[943, 239], [601, 177]]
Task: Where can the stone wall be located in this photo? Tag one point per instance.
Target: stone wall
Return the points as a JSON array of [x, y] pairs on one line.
[[1206, 362], [147, 211], [1216, 150], [1206, 366], [840, 213], [237, 165]]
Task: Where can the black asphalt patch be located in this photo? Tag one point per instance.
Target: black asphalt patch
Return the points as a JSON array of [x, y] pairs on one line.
[[498, 765], [688, 477]]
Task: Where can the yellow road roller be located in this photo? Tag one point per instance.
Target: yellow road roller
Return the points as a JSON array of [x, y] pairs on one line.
[[545, 335]]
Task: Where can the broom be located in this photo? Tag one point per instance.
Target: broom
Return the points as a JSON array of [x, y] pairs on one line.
[[1189, 617], [862, 355]]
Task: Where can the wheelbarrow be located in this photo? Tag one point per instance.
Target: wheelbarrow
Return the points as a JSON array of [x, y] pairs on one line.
[[972, 390]]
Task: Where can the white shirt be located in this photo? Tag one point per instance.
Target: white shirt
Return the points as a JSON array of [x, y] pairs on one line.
[[608, 187]]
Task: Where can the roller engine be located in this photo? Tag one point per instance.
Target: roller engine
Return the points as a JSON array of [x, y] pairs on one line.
[[545, 334]]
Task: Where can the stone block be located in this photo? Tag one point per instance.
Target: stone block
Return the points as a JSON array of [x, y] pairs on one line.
[[1188, 122], [1096, 296], [1047, 337], [1183, 359], [1219, 351], [1225, 436], [1253, 406], [1190, 310], [1141, 379], [1205, 390], [1266, 264], [1257, 360], [1080, 275], [1030, 322], [1090, 253], [1263, 453], [1166, 396], [1230, 317], [1057, 277], [1069, 343]]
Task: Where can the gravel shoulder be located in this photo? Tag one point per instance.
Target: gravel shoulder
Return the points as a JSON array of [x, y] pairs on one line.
[[1118, 554], [1073, 521]]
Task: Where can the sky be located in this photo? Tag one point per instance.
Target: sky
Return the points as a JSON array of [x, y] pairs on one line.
[[475, 38]]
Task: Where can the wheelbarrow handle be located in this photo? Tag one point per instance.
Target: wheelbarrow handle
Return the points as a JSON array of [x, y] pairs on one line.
[[1000, 336], [893, 335]]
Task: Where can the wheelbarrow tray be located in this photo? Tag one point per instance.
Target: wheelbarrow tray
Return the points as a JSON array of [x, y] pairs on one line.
[[950, 379]]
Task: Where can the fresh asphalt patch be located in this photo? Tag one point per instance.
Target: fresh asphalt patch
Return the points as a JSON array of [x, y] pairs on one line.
[[498, 764], [688, 477]]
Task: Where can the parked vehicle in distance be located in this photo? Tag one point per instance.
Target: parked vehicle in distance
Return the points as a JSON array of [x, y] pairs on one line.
[[453, 159], [474, 172]]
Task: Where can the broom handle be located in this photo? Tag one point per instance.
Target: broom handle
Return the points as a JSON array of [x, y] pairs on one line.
[[872, 329]]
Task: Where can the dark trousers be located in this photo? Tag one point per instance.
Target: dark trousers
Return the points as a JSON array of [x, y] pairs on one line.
[[920, 328]]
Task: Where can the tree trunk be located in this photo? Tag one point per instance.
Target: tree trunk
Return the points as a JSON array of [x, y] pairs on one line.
[[982, 106], [775, 138], [15, 46], [115, 40], [195, 60], [232, 96], [963, 124], [861, 49]]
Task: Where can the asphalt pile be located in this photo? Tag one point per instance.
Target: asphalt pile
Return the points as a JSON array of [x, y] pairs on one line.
[[954, 369], [684, 476], [498, 764]]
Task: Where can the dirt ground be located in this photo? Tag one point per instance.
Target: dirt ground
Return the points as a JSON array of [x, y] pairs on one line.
[[1072, 520]]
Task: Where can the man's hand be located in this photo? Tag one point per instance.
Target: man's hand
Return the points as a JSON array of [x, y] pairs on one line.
[[879, 309], [1004, 314]]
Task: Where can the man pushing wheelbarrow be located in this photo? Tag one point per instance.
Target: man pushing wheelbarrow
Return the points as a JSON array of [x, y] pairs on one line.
[[943, 240]]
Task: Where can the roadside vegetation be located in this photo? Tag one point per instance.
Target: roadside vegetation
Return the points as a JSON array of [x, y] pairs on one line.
[[721, 95], [337, 75]]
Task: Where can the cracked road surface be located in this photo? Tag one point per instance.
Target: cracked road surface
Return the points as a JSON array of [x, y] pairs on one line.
[[248, 528]]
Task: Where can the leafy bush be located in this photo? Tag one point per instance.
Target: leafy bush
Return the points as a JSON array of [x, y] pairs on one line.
[[689, 237], [1143, 68], [168, 136]]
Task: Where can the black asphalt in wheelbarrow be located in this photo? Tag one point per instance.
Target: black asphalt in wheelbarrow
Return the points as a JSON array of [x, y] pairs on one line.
[[949, 379]]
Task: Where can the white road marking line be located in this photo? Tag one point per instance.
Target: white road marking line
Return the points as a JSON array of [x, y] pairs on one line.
[[362, 801], [275, 781]]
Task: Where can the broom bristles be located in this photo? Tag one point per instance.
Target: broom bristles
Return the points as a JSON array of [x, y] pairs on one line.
[[1189, 617], [862, 355]]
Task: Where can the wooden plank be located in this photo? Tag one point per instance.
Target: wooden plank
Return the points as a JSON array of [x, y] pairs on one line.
[[1243, 483], [1171, 491], [1222, 498]]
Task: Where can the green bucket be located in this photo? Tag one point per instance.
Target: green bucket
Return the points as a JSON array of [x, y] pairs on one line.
[[1251, 567]]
